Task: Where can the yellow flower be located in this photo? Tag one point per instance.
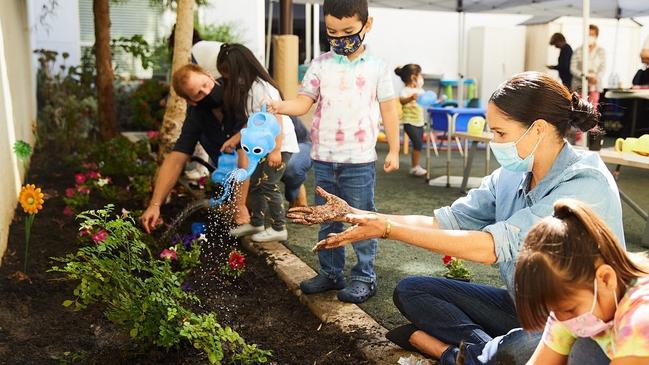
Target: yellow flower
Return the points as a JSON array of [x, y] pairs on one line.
[[31, 199]]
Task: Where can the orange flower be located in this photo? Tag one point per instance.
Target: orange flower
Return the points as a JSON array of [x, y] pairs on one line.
[[31, 199]]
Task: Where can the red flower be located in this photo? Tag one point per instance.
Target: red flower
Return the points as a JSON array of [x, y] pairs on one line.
[[447, 260], [67, 211], [236, 261], [92, 175], [152, 134], [83, 189], [80, 178], [69, 192], [100, 236], [168, 254]]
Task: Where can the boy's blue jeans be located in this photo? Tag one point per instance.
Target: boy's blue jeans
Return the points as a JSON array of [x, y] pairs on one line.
[[354, 183]]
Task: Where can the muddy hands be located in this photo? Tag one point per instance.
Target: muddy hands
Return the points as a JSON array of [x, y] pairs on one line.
[[335, 209]]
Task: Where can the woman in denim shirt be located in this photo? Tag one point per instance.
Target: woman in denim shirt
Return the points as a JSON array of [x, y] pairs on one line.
[[530, 116]]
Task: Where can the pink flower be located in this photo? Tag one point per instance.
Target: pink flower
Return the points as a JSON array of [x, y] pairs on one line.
[[80, 178], [83, 189], [100, 236], [67, 211], [83, 232], [92, 175], [69, 192], [152, 134], [168, 254]]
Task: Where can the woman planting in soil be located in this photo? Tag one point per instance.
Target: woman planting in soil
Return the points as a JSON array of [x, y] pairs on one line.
[[573, 277], [205, 122], [530, 115]]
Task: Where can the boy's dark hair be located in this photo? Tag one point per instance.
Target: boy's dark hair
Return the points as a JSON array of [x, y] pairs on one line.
[[346, 9], [239, 68]]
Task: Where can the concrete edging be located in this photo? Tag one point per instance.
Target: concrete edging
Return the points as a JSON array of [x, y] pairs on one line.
[[348, 317]]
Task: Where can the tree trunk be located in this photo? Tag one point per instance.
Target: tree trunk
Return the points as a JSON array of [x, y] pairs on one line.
[[104, 82], [176, 106]]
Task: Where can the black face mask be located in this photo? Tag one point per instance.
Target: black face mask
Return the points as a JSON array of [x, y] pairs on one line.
[[213, 100]]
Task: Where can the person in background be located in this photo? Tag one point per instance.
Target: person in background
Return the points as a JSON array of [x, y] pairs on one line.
[[349, 85], [596, 66], [565, 55], [575, 278], [641, 77], [413, 114], [298, 167]]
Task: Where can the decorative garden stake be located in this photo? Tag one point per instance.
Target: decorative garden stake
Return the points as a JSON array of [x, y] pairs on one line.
[[31, 199], [23, 150]]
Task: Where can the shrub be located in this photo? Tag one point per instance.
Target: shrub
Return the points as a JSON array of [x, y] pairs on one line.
[[143, 294]]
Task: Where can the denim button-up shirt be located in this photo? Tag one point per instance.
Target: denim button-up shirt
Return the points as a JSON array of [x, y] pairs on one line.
[[504, 206]]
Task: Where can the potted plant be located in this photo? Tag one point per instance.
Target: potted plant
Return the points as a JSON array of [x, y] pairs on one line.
[[455, 269]]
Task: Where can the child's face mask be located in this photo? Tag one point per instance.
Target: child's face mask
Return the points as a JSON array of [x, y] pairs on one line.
[[347, 44], [420, 82], [588, 324]]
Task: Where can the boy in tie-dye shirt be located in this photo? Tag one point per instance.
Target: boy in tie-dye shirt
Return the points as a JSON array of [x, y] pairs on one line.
[[353, 90]]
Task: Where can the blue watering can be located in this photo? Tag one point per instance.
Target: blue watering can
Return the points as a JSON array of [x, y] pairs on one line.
[[427, 99], [257, 140]]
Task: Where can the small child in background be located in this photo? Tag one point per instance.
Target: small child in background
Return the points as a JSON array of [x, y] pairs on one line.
[[413, 114], [247, 85]]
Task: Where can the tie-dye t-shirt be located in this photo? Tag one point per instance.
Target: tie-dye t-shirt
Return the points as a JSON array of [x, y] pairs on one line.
[[629, 335], [346, 119]]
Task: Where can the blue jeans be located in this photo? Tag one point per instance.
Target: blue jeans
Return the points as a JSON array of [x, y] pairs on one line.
[[354, 183], [483, 317], [296, 170]]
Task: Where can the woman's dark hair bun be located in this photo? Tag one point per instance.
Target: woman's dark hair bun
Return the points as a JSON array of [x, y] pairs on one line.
[[584, 114], [398, 70]]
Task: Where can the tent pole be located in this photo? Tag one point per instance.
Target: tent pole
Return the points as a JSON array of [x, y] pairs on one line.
[[584, 49], [308, 27], [269, 31], [584, 61]]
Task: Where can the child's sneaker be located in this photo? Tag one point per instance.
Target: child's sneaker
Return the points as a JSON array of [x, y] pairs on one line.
[[269, 235], [418, 171], [245, 230]]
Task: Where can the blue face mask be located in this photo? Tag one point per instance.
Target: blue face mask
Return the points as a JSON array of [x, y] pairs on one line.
[[346, 45], [507, 155]]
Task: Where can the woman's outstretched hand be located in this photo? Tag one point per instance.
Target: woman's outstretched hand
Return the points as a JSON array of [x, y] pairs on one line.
[[335, 209], [364, 226]]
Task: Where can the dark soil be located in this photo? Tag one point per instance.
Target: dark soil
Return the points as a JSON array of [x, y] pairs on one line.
[[36, 329]]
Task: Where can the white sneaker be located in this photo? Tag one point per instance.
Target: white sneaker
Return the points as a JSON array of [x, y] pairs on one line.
[[269, 235], [418, 171], [245, 230]]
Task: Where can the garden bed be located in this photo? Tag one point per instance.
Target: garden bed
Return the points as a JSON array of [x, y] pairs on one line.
[[35, 328]]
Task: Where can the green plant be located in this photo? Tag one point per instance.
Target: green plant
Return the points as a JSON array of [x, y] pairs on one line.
[[146, 111], [225, 33], [455, 268], [67, 106], [144, 295], [121, 157], [140, 186], [136, 45]]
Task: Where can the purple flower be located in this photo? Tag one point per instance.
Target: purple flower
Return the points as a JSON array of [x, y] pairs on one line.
[[186, 287]]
